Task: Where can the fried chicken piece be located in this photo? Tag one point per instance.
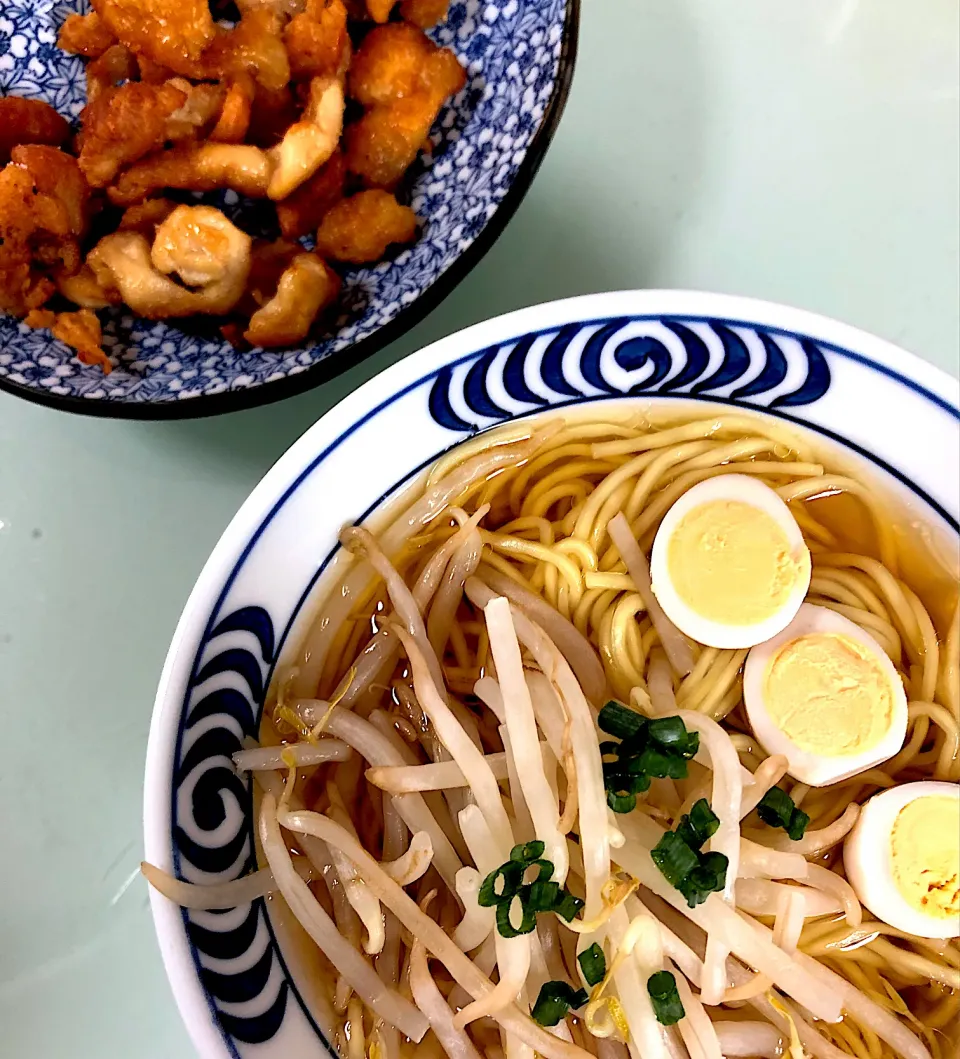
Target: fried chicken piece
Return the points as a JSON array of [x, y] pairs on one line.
[[116, 65], [385, 142], [317, 40], [173, 33], [56, 173], [255, 47], [359, 229], [195, 167], [306, 288], [80, 330], [83, 289], [85, 35], [407, 78], [40, 221], [379, 10], [268, 262], [124, 124], [196, 242], [234, 119], [145, 216], [303, 211], [310, 142], [29, 121], [424, 13], [389, 64]]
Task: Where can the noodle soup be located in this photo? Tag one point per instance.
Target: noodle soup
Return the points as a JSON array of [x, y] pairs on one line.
[[623, 736]]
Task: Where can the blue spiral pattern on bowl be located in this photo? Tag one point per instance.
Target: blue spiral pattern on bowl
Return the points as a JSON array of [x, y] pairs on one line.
[[665, 357], [512, 51], [236, 956]]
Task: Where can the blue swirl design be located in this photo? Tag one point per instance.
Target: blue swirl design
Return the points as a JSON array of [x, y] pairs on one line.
[[234, 951], [659, 356]]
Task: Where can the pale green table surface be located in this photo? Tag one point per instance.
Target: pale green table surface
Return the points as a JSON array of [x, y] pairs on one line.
[[804, 151]]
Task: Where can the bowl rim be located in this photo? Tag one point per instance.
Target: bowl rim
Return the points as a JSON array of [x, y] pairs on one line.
[[408, 317], [276, 485]]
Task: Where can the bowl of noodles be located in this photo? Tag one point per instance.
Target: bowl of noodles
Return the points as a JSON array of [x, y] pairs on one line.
[[613, 710]]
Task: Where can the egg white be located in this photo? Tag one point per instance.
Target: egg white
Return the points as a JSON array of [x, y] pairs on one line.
[[746, 490], [804, 765], [868, 861]]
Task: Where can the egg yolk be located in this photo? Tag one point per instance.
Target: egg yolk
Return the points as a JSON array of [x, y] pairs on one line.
[[731, 563], [925, 855], [828, 695]]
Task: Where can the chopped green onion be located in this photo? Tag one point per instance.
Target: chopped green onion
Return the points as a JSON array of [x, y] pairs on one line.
[[528, 852], [511, 876], [528, 919], [675, 859], [708, 877], [698, 825], [543, 896], [610, 748], [555, 1000], [664, 765], [620, 721], [777, 809], [568, 906], [621, 803], [668, 731], [593, 965], [665, 998], [798, 824]]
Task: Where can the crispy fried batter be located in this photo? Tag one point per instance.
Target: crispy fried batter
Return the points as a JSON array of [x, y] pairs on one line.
[[309, 142], [29, 121], [317, 40], [57, 174], [379, 10], [360, 229], [116, 65], [36, 237], [407, 78], [123, 124], [152, 73], [145, 216], [173, 33], [203, 167], [234, 120], [123, 261], [268, 262], [200, 245], [85, 35], [255, 46], [301, 212], [306, 288], [84, 290], [389, 64], [385, 142], [424, 13], [80, 330]]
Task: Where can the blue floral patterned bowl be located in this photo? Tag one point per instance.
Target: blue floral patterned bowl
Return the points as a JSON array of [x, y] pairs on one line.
[[242, 982], [488, 145]]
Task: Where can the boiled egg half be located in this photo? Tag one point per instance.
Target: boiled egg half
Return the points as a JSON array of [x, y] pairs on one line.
[[729, 565], [825, 695], [903, 858]]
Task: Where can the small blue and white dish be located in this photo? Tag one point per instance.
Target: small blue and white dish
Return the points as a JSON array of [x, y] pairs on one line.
[[488, 144], [241, 983]]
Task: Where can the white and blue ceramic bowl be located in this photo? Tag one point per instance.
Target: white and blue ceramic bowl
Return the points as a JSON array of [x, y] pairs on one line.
[[898, 418], [488, 144]]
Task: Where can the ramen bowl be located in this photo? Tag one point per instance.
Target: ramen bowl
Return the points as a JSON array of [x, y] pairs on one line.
[[240, 977], [486, 148]]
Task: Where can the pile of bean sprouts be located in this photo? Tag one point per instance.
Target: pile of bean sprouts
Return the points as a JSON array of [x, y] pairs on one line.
[[443, 709]]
